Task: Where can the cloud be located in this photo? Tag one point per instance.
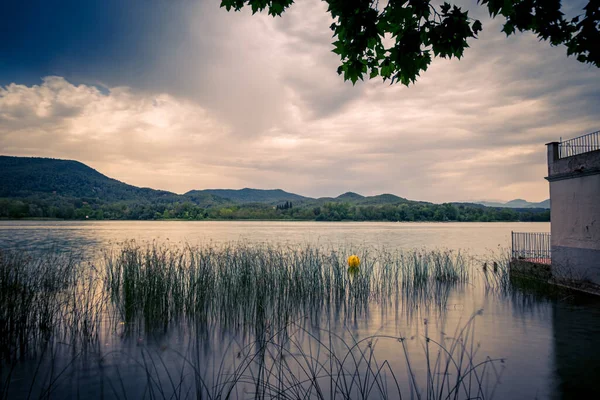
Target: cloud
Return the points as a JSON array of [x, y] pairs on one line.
[[235, 100], [121, 133]]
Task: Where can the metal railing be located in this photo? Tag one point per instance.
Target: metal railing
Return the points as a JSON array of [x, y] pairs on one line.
[[531, 246], [579, 145]]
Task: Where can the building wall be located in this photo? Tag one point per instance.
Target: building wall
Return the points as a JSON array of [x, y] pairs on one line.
[[575, 216], [576, 328]]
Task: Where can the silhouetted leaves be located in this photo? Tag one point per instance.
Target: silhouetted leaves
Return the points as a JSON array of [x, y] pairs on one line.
[[274, 7], [417, 28]]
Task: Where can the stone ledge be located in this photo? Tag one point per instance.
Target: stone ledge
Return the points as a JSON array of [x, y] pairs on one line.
[[543, 272], [530, 269], [581, 286], [574, 174]]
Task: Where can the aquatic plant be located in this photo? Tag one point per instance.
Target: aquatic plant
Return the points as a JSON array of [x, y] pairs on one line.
[[324, 364], [266, 294], [45, 295], [296, 361], [244, 285]]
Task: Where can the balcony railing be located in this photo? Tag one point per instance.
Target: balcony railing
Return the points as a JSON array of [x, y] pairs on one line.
[[531, 246], [579, 145]]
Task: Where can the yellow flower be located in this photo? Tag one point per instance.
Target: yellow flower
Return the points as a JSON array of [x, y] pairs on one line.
[[353, 261]]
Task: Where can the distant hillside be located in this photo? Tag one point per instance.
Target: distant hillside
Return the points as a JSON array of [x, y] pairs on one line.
[[516, 203], [357, 199], [25, 176], [350, 196], [49, 188], [205, 199], [247, 195], [385, 199]]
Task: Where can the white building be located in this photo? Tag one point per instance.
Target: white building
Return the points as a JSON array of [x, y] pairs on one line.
[[574, 176]]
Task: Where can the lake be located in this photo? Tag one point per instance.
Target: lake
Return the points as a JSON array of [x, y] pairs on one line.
[[533, 344], [478, 238]]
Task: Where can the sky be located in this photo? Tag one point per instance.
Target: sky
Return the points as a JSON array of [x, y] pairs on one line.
[[181, 95]]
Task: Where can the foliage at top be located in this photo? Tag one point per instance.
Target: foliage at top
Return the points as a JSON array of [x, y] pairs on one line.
[[397, 39]]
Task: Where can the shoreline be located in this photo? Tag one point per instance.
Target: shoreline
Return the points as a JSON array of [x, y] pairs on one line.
[[265, 220]]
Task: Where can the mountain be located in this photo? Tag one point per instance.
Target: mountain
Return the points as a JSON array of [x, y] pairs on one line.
[[385, 198], [33, 187], [516, 203], [247, 195], [205, 199], [355, 198], [350, 196], [544, 204], [25, 176], [520, 203]]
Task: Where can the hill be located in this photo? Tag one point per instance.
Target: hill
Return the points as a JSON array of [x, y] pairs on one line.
[[247, 195], [350, 196], [516, 203], [357, 199], [49, 188], [385, 198], [25, 176]]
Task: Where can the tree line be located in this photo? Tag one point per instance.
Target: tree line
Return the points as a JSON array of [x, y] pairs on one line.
[[94, 209]]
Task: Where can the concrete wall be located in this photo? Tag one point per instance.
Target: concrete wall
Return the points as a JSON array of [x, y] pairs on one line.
[[575, 215], [580, 165], [530, 269]]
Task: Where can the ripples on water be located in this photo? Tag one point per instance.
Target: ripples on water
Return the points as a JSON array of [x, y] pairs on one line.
[[549, 342], [479, 238]]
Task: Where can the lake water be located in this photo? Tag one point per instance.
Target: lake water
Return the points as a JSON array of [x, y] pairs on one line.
[[477, 238], [550, 345]]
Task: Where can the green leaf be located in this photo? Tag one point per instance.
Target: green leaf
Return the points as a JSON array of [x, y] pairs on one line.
[[421, 31], [508, 28], [374, 73]]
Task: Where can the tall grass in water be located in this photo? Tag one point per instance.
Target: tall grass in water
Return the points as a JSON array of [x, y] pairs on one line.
[[301, 362], [494, 270], [52, 294], [264, 288], [260, 284], [45, 296]]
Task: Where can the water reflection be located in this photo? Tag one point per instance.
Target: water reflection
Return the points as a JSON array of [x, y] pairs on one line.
[[576, 327], [307, 357], [477, 238], [49, 237], [187, 357], [548, 340], [540, 361]]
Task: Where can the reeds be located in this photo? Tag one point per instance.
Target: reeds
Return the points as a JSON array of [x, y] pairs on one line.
[[275, 296], [247, 286], [43, 296], [236, 286], [298, 362]]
